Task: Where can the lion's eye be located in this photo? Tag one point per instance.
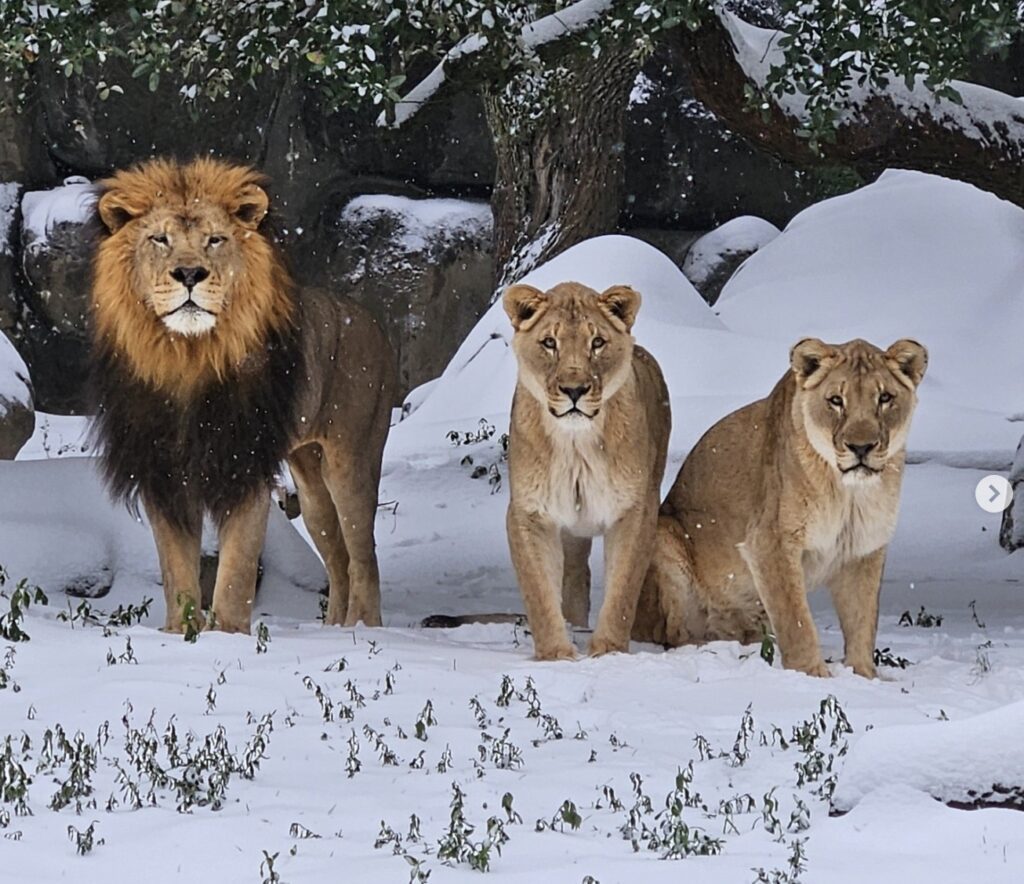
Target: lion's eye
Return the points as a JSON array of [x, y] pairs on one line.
[[160, 239], [598, 343], [886, 398], [837, 401], [215, 240], [549, 343]]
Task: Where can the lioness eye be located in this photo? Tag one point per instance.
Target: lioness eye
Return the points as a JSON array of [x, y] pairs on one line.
[[215, 240], [598, 343], [160, 239], [837, 401], [548, 343], [885, 398]]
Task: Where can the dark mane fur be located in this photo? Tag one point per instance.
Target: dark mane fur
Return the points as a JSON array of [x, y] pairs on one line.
[[207, 454]]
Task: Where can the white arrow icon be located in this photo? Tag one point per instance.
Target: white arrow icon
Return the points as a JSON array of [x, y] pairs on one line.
[[993, 494]]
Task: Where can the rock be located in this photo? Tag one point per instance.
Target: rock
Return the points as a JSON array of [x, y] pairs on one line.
[[1011, 531], [715, 257], [422, 266], [10, 199], [17, 414]]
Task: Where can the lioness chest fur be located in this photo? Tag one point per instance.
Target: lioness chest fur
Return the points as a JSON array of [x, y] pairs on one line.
[[793, 491], [588, 441]]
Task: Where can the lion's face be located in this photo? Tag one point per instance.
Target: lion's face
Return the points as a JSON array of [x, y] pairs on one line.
[[857, 400], [186, 263], [186, 285], [573, 346]]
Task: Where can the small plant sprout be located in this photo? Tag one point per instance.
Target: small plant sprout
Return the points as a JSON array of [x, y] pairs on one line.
[[974, 614], [425, 720], [506, 692], [269, 875], [512, 816], [262, 637], [352, 763], [566, 815], [741, 747], [923, 619], [190, 622], [84, 841], [767, 644], [885, 657], [297, 830], [20, 599]]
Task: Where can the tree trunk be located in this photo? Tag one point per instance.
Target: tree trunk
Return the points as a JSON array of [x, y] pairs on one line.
[[559, 178], [984, 149]]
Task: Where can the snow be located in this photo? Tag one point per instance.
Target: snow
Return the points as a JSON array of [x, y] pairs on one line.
[[41, 210], [14, 376], [8, 208], [744, 234], [420, 222], [442, 549], [958, 761]]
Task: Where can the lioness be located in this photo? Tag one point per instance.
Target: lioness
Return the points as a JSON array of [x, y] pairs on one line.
[[210, 367], [795, 490], [587, 447]]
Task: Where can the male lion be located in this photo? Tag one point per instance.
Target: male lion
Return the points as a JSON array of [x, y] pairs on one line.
[[589, 435], [210, 368], [791, 491]]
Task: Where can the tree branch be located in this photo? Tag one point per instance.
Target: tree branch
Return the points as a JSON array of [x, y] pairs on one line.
[[980, 141]]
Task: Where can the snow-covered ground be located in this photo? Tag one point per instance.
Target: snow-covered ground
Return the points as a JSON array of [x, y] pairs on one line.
[[353, 748]]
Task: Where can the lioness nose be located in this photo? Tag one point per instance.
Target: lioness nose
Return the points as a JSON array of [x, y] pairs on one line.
[[189, 276], [575, 393], [861, 451]]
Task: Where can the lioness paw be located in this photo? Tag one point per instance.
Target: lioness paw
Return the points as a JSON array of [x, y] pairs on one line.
[[601, 645], [555, 652]]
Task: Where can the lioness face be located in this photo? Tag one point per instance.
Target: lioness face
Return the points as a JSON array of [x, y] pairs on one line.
[[857, 400], [573, 346], [186, 256]]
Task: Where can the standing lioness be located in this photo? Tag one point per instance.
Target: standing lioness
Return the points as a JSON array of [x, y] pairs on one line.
[[589, 435], [792, 491]]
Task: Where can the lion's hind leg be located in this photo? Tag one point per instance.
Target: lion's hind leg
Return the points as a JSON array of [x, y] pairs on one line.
[[321, 520], [670, 611]]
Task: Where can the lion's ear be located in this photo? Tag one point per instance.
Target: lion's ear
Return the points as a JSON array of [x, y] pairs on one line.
[[524, 304], [808, 358], [117, 208], [909, 359], [621, 304], [250, 206]]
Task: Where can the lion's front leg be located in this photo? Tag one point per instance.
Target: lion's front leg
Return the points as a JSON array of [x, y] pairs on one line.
[[855, 590], [628, 546], [779, 578], [576, 579], [177, 547], [241, 538], [535, 543]]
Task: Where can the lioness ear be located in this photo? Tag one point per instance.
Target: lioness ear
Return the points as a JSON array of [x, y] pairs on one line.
[[251, 204], [116, 209], [523, 304], [909, 359], [807, 358], [621, 303]]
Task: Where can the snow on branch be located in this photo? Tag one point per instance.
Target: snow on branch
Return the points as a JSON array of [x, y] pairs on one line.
[[541, 32]]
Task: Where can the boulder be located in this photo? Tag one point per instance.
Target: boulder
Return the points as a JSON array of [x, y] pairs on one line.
[[1011, 531], [714, 258], [17, 415], [422, 266]]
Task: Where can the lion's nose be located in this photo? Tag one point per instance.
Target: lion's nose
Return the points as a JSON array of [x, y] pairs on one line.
[[189, 277], [575, 393], [861, 451]]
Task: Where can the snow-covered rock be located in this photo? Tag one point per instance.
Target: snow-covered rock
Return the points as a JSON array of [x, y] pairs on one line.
[[973, 762], [56, 253], [423, 266], [715, 257], [10, 196], [17, 417]]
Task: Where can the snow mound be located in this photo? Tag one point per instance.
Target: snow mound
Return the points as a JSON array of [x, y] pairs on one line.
[[420, 222], [742, 235], [14, 377], [42, 210], [968, 762]]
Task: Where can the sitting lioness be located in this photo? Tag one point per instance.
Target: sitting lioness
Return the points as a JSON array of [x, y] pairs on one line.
[[792, 491], [587, 447]]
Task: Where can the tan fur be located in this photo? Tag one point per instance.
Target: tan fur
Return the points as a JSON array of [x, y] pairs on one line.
[[574, 476], [344, 401], [771, 502]]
